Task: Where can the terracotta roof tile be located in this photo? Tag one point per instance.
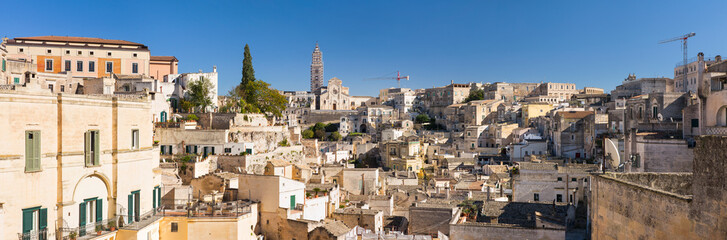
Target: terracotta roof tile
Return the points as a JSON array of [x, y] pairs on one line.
[[79, 40]]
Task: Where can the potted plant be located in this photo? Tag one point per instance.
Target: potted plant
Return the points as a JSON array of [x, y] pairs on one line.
[[99, 229], [73, 235], [112, 226]]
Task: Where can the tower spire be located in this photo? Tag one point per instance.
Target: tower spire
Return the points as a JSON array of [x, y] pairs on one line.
[[316, 70]]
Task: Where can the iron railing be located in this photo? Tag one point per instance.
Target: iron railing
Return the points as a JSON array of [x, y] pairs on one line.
[[88, 229], [42, 234]]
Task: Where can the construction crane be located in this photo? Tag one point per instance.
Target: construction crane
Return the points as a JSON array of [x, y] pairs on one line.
[[684, 50], [398, 78]]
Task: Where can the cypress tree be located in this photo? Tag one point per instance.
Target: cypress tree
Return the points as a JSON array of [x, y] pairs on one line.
[[248, 73]]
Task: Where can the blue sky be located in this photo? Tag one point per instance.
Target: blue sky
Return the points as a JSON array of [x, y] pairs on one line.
[[590, 43]]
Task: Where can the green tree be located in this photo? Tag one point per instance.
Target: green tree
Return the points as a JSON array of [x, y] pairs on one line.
[[335, 136], [477, 94], [192, 117], [308, 134], [248, 75], [185, 106], [267, 100], [320, 134], [199, 94], [422, 118], [331, 127]]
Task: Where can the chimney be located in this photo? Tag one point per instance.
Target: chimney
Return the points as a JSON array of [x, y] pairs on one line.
[[452, 81], [700, 56], [214, 68], [718, 58]]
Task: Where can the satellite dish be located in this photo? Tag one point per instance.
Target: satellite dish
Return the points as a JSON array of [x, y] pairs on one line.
[[660, 117], [613, 158]]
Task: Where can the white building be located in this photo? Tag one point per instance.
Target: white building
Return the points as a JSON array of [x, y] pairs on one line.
[[183, 80]]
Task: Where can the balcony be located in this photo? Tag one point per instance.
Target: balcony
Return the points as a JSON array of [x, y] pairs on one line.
[[89, 231], [721, 131], [166, 124], [43, 234]]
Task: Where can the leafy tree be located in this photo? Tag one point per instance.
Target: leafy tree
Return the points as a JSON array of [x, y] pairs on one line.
[[335, 136], [477, 94], [307, 134], [331, 127], [422, 118], [199, 94], [320, 134], [318, 126], [185, 106], [192, 117], [284, 143], [267, 100]]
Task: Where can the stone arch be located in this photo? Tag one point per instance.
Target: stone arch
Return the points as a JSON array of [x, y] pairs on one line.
[[721, 118], [102, 177]]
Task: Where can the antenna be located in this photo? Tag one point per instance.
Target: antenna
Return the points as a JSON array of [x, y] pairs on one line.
[[613, 158]]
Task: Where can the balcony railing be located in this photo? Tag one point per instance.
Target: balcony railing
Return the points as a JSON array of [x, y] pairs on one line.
[[42, 234], [88, 229], [166, 124], [721, 131]]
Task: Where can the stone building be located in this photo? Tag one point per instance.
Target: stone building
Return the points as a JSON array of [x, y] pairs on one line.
[[547, 182], [72, 161], [671, 205], [434, 100], [695, 74], [533, 110], [513, 220], [334, 96], [568, 134], [365, 218], [185, 79], [631, 86], [161, 66], [562, 91]]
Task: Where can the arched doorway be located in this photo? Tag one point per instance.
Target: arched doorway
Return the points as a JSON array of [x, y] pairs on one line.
[[163, 116], [362, 128], [722, 116], [91, 204]]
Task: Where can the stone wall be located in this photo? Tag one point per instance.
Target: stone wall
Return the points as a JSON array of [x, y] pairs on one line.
[[426, 220], [323, 116], [265, 139], [709, 208], [624, 210], [472, 231], [664, 155]]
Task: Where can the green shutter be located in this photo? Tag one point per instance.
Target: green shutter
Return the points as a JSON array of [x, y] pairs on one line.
[[97, 150], [213, 151], [163, 148], [154, 198], [27, 220], [82, 214], [99, 210], [87, 148], [36, 150], [131, 208], [3, 65], [292, 202], [43, 218], [32, 150], [159, 196], [195, 149]]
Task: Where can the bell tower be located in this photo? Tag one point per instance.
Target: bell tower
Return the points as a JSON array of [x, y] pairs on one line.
[[316, 71]]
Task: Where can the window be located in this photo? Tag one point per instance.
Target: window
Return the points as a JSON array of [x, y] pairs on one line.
[[49, 64], [20, 50], [34, 220], [559, 198], [175, 227], [573, 179], [655, 111], [90, 53], [79, 52], [68, 65], [536, 197], [134, 68], [134, 54], [68, 52], [79, 66], [49, 51], [108, 54], [91, 66], [560, 179], [92, 149], [32, 151], [63, 88], [228, 150], [135, 139], [50, 86], [109, 67], [16, 80]]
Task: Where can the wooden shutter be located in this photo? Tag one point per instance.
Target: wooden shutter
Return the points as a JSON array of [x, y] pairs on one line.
[[163, 149], [87, 148], [27, 220], [99, 210], [154, 198], [43, 218], [82, 214], [36, 150], [131, 208], [97, 150], [29, 150], [159, 196]]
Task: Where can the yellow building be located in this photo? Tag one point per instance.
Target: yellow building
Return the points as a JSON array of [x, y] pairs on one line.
[[74, 162], [533, 110]]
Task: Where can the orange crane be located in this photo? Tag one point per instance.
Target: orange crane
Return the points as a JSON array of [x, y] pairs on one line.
[[398, 78]]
